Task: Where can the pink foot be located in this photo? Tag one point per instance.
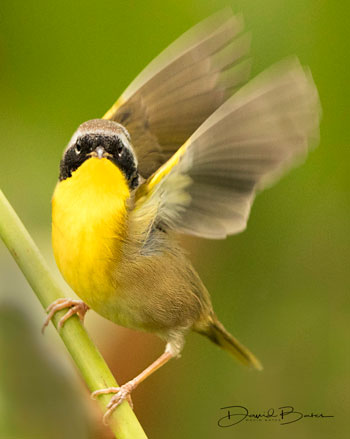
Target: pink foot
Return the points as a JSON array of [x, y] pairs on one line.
[[77, 307], [122, 393]]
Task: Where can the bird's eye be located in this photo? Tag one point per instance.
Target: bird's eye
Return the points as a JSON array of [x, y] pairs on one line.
[[77, 148], [119, 150]]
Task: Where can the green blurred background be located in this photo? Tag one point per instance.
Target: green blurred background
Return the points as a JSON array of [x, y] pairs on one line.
[[281, 286]]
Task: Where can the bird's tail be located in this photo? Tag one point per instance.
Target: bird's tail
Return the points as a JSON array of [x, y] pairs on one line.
[[220, 336]]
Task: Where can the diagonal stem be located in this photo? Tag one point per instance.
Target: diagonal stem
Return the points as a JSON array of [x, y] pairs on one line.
[[84, 353]]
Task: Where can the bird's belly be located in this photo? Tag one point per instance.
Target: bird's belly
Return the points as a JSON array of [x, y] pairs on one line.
[[90, 252], [91, 266], [88, 226], [87, 262]]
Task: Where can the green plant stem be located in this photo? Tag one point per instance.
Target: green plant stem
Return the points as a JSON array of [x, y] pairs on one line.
[[84, 353]]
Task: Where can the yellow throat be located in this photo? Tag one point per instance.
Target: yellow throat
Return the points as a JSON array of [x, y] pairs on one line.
[[89, 216]]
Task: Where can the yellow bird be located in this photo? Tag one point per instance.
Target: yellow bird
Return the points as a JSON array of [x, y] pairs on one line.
[[183, 150]]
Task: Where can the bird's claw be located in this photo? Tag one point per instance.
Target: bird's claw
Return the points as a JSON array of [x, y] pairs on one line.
[[122, 393], [76, 307]]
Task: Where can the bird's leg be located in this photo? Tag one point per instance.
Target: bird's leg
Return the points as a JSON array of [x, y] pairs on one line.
[[76, 307], [123, 392]]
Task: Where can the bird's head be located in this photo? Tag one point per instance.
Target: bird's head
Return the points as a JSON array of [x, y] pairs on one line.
[[100, 138]]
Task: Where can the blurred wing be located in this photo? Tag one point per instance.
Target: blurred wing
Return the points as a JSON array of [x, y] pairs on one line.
[[180, 88], [207, 187]]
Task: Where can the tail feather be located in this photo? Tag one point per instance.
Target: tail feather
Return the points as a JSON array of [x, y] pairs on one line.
[[220, 336]]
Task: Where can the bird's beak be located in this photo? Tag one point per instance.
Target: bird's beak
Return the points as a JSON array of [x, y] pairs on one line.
[[99, 153]]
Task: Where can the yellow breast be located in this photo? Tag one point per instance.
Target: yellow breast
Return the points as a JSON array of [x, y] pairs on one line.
[[88, 225]]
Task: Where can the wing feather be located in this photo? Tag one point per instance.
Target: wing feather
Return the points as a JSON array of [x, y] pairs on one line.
[[207, 187], [179, 89]]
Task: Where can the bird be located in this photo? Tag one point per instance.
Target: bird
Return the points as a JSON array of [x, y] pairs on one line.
[[184, 150]]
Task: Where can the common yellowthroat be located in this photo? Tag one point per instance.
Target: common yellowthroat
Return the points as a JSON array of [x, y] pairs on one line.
[[184, 149]]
